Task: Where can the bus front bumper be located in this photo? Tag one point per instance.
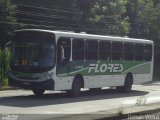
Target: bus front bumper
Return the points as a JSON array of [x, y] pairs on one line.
[[47, 84]]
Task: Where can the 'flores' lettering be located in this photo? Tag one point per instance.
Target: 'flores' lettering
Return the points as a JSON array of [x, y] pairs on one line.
[[105, 67]]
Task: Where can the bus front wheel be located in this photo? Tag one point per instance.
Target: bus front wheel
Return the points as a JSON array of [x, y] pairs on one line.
[[127, 85], [38, 92], [76, 88]]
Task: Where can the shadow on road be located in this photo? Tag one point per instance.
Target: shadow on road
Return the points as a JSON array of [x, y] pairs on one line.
[[62, 98], [151, 83]]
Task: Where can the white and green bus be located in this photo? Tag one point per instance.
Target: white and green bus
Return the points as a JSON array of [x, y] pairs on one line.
[[67, 61]]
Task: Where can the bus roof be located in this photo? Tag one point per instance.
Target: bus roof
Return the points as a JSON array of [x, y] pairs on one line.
[[89, 36]]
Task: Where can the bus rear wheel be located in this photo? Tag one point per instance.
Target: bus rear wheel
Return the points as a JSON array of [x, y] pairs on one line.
[[76, 88], [127, 85], [38, 92]]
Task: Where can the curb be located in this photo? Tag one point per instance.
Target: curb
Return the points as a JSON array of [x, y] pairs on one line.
[[127, 113], [145, 111], [8, 88]]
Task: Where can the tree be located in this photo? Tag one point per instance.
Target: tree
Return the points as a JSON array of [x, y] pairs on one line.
[[47, 14], [76, 15], [109, 16], [7, 20], [132, 12], [144, 19]]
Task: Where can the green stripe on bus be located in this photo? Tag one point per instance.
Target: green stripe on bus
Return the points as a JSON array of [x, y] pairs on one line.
[[89, 68]]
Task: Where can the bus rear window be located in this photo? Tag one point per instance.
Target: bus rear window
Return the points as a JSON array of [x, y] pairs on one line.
[[148, 52], [139, 52]]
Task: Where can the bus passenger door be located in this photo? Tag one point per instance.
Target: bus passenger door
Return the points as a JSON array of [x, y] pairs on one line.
[[63, 55]]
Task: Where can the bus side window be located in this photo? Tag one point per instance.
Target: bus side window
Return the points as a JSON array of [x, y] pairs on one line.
[[63, 48], [78, 49], [148, 52], [139, 52], [91, 50], [117, 50], [104, 50], [129, 51]]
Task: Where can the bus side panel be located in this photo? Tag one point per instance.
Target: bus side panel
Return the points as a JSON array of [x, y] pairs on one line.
[[141, 78], [104, 81], [102, 74], [63, 83]]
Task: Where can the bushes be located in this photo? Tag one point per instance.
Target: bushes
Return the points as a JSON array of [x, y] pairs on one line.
[[4, 66]]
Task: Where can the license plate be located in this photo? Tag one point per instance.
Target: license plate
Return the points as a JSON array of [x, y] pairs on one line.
[[26, 83]]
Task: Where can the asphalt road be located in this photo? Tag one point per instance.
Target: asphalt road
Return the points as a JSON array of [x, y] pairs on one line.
[[24, 105]]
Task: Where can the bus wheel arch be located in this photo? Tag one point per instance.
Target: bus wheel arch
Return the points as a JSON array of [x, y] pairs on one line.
[[80, 77], [77, 84], [128, 82], [126, 88], [129, 75]]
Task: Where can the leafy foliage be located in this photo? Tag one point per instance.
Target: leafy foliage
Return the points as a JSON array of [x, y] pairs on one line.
[[110, 14], [144, 17], [4, 66]]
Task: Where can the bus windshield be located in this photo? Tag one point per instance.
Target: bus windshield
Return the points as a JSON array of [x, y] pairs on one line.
[[33, 56]]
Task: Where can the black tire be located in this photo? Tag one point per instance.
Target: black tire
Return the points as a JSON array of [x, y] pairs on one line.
[[38, 92], [127, 85], [76, 88]]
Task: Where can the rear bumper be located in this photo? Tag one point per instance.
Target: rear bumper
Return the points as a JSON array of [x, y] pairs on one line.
[[47, 84]]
